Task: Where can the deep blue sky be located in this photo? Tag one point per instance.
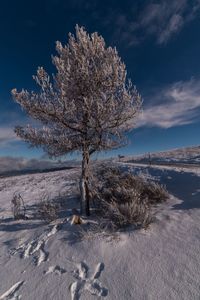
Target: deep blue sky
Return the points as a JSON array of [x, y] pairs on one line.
[[158, 40]]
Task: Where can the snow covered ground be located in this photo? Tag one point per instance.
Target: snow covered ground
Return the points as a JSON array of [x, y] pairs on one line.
[[50, 262], [185, 155]]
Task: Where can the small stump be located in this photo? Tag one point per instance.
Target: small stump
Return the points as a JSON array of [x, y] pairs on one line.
[[76, 220]]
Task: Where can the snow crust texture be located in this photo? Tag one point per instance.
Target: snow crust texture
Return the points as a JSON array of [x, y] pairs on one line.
[[50, 262]]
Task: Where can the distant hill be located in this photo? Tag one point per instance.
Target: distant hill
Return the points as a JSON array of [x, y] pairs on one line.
[[189, 155]]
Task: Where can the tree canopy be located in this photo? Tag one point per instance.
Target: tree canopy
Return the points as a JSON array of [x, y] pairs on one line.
[[86, 106]]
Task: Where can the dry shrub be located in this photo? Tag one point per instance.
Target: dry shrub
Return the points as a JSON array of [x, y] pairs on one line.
[[97, 231], [47, 209], [123, 199], [155, 192], [18, 207]]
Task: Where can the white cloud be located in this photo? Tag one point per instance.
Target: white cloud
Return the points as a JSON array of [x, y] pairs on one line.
[[180, 106], [7, 136], [7, 125]]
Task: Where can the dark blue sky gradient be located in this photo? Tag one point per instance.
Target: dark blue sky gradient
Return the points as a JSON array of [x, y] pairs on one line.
[[29, 29]]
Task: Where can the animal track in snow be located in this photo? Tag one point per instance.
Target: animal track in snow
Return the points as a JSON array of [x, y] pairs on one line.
[[55, 269], [91, 284], [11, 294], [36, 247]]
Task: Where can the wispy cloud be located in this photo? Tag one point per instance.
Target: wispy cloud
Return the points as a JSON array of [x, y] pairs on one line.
[[9, 120], [167, 18], [7, 136], [161, 20], [180, 106]]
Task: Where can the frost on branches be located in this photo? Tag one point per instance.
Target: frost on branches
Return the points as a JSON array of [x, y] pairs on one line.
[[86, 106]]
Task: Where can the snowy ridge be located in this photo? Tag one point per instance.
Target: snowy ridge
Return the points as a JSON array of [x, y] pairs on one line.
[[181, 155]]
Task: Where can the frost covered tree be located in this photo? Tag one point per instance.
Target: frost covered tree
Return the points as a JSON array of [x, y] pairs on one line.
[[86, 106]]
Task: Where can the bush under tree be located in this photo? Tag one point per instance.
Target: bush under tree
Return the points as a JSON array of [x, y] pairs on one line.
[[122, 199]]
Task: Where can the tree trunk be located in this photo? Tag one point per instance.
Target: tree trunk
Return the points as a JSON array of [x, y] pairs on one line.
[[84, 184]]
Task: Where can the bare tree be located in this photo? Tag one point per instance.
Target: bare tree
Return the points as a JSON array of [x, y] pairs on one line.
[[86, 106]]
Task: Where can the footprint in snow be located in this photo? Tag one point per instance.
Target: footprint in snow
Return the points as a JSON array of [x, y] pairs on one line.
[[55, 269], [36, 247], [83, 282], [12, 293]]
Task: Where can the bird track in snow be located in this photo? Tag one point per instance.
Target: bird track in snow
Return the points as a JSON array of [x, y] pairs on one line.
[[36, 247], [90, 284], [55, 269]]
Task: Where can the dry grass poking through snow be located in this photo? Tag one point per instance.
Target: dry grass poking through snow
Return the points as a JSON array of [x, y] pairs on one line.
[[18, 207], [47, 209], [123, 199]]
